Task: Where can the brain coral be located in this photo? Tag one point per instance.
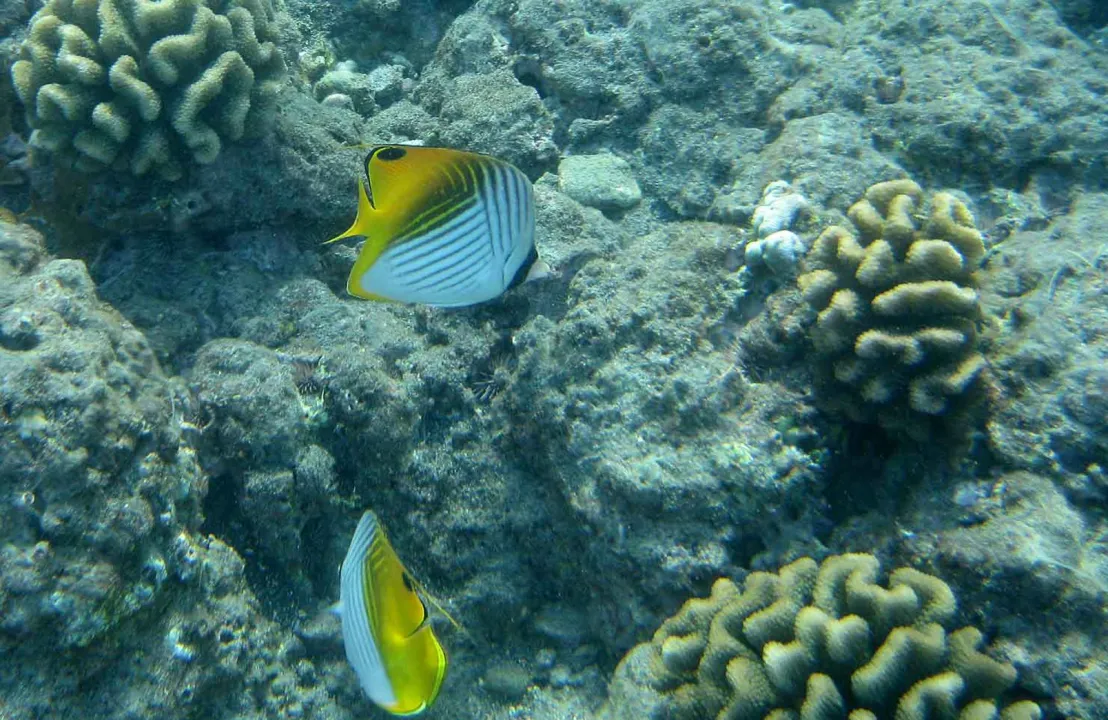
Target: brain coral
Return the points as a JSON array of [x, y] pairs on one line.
[[896, 330], [145, 84], [818, 641]]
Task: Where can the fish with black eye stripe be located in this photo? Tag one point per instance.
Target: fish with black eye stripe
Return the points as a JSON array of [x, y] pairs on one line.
[[442, 227], [386, 628]]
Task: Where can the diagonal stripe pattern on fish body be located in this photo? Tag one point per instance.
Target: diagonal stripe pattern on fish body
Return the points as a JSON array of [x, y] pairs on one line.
[[443, 227], [385, 627]]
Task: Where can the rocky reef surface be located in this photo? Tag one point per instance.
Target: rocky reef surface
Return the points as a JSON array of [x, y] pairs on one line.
[[193, 415]]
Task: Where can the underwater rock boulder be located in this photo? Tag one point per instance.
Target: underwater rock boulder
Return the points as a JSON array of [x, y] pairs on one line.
[[603, 181], [258, 417], [1050, 352], [114, 602], [97, 474], [261, 409], [96, 470], [496, 114], [635, 407]]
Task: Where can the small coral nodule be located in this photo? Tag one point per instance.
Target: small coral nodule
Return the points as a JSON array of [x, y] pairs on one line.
[[816, 641], [143, 86], [896, 329]]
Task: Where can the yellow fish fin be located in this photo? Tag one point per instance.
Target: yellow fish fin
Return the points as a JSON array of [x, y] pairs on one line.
[[398, 612], [420, 674], [427, 653], [362, 223], [422, 591]]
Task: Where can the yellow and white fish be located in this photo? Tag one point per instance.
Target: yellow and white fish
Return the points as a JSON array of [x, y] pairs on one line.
[[443, 227], [385, 625]]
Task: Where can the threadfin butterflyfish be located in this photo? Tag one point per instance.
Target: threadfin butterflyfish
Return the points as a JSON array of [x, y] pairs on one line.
[[385, 625], [442, 227]]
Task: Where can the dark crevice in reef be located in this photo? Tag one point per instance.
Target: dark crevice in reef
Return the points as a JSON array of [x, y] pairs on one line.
[[223, 518], [1084, 17], [222, 512], [864, 449], [322, 575]]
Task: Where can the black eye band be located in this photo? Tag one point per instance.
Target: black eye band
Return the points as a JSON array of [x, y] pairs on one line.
[[385, 153], [390, 153]]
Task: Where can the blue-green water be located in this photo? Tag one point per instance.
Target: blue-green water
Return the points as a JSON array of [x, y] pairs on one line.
[[824, 344]]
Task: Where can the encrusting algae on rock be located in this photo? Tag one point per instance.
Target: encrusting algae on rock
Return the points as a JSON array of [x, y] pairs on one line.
[[896, 330], [816, 641]]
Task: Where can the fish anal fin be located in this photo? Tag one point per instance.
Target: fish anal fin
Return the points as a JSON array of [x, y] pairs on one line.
[[359, 293], [371, 250]]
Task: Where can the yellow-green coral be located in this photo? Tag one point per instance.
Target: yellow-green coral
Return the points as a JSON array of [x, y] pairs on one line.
[[897, 309], [142, 85], [816, 641]]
